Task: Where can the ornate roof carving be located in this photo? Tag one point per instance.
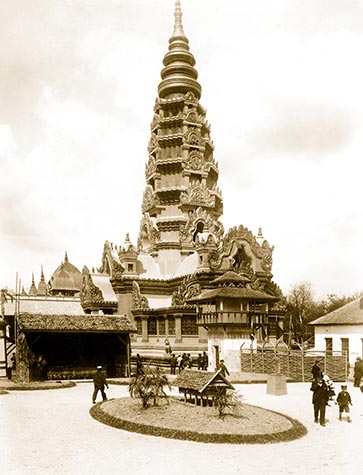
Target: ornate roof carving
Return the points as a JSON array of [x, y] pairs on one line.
[[139, 301], [150, 199], [187, 289], [149, 232], [210, 224], [90, 293], [198, 195]]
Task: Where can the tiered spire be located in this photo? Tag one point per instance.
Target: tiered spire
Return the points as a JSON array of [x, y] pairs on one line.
[[181, 198], [42, 286], [33, 290], [179, 74]]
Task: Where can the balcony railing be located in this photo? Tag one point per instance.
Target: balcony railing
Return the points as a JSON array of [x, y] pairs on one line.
[[224, 318]]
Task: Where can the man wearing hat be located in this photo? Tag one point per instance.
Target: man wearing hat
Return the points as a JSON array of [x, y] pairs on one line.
[[343, 400], [99, 381]]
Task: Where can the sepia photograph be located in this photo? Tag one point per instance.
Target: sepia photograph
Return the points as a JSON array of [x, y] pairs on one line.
[[181, 233]]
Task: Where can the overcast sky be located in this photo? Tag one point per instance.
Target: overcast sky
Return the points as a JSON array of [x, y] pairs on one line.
[[282, 85]]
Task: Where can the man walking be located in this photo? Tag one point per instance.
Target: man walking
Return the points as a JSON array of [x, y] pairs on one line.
[[99, 381], [319, 400]]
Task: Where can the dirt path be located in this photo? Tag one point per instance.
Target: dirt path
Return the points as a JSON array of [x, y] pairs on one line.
[[51, 432]]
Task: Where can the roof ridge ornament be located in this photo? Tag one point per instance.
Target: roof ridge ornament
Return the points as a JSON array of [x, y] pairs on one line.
[[178, 26]]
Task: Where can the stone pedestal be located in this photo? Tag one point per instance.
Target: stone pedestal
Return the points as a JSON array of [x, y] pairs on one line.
[[276, 384]]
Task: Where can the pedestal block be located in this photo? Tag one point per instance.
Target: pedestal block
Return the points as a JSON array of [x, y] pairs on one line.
[[276, 384]]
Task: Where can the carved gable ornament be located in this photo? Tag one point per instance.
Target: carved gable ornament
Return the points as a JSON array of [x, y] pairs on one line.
[[139, 301], [117, 270], [192, 116], [190, 97], [150, 199], [210, 225], [90, 293], [150, 168], [186, 290], [198, 195], [193, 137], [194, 161], [153, 143], [149, 232]]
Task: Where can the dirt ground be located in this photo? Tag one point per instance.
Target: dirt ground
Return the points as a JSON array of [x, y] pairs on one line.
[[51, 432]]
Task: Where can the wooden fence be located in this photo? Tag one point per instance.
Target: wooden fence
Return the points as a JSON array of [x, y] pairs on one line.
[[295, 364]]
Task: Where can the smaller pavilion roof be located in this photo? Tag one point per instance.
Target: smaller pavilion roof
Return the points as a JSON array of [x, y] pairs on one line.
[[233, 293], [350, 314], [231, 277], [200, 380], [75, 323]]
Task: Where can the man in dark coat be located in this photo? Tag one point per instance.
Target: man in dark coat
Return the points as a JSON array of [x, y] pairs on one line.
[[172, 363], [204, 361], [316, 371], [99, 382], [357, 372], [319, 400]]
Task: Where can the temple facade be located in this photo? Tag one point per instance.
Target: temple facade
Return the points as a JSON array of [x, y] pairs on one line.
[[182, 245]]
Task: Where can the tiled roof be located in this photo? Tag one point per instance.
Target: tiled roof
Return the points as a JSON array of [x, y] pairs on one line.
[[46, 305], [233, 293], [103, 283], [350, 314], [199, 380], [76, 323]]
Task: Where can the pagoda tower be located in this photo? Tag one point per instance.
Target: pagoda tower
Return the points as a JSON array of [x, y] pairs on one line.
[[181, 198]]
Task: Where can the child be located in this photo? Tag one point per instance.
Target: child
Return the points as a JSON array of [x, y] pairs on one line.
[[343, 400]]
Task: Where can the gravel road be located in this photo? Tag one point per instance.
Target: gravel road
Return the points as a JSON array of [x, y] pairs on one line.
[[51, 432]]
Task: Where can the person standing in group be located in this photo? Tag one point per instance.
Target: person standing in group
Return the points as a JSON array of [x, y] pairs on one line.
[[358, 370], [173, 360], [200, 361], [343, 401], [167, 346], [204, 361], [179, 363], [222, 368], [320, 400], [99, 382]]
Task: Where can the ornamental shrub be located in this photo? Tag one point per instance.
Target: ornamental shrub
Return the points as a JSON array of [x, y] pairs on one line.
[[149, 386]]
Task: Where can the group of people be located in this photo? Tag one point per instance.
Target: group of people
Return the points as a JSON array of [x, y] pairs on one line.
[[185, 361], [323, 392]]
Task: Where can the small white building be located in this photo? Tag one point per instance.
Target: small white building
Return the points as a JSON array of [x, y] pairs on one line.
[[341, 330]]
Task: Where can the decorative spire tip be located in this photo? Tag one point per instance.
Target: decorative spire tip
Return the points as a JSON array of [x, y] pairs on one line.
[[178, 26]]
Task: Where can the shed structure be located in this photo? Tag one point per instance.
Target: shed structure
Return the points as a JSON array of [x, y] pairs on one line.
[[71, 346], [200, 387]]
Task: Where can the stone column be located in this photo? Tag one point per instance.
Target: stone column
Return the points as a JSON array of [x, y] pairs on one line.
[[178, 333], [144, 332]]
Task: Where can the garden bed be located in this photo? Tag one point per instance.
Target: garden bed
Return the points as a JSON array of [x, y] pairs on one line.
[[35, 386], [181, 420]]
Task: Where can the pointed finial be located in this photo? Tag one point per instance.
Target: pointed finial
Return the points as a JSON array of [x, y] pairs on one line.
[[33, 282], [66, 257], [127, 239], [178, 26], [41, 273], [260, 237]]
